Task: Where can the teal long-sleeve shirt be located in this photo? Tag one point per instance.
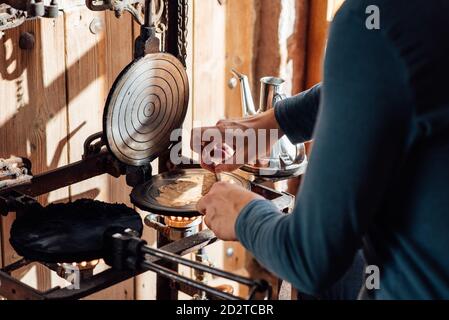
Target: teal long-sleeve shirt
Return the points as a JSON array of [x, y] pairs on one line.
[[378, 175]]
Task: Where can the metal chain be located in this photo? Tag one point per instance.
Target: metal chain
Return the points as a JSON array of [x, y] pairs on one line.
[[186, 30], [164, 31], [183, 13]]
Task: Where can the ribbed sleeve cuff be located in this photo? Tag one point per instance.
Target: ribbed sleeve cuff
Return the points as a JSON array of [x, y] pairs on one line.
[[297, 115], [285, 122]]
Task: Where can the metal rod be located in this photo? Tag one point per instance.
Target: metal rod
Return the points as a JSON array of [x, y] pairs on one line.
[[13, 289], [164, 291], [67, 175], [192, 264], [15, 265], [197, 285], [253, 290], [111, 277], [148, 14]]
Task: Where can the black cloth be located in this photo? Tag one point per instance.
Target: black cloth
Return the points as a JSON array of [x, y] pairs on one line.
[[72, 232]]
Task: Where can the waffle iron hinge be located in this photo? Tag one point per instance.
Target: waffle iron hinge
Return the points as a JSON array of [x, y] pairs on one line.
[[147, 42]]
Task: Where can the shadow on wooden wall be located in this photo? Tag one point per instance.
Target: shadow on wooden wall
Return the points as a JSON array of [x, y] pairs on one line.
[[51, 99]]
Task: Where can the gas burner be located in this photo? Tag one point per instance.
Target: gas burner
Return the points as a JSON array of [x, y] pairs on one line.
[[182, 222], [174, 228]]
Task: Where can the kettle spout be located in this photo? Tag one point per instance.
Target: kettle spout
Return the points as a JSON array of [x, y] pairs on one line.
[[248, 106]]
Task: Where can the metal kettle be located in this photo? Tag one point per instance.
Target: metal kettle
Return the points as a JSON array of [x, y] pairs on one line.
[[286, 159]]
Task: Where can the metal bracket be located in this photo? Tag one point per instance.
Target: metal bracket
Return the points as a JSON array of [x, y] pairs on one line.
[[134, 7], [14, 12], [14, 201], [10, 17]]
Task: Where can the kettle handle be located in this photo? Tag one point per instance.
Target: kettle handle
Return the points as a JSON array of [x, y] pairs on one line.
[[278, 97]]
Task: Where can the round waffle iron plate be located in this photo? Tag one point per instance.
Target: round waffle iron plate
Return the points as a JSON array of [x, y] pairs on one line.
[[147, 102], [73, 232], [145, 196]]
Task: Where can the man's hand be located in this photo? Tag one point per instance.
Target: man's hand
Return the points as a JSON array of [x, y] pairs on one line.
[[221, 207], [232, 156], [221, 149]]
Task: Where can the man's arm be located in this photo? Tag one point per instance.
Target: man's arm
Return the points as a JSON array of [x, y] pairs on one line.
[[297, 115], [364, 116]]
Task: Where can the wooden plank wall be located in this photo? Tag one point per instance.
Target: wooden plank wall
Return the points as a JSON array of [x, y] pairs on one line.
[[94, 60], [53, 98], [241, 33], [317, 36], [33, 112], [209, 62], [240, 44]]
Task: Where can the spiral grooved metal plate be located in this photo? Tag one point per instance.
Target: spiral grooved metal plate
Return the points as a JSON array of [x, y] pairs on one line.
[[147, 102]]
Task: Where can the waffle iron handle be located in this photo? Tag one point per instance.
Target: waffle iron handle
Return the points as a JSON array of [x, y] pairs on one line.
[[282, 200], [151, 221]]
